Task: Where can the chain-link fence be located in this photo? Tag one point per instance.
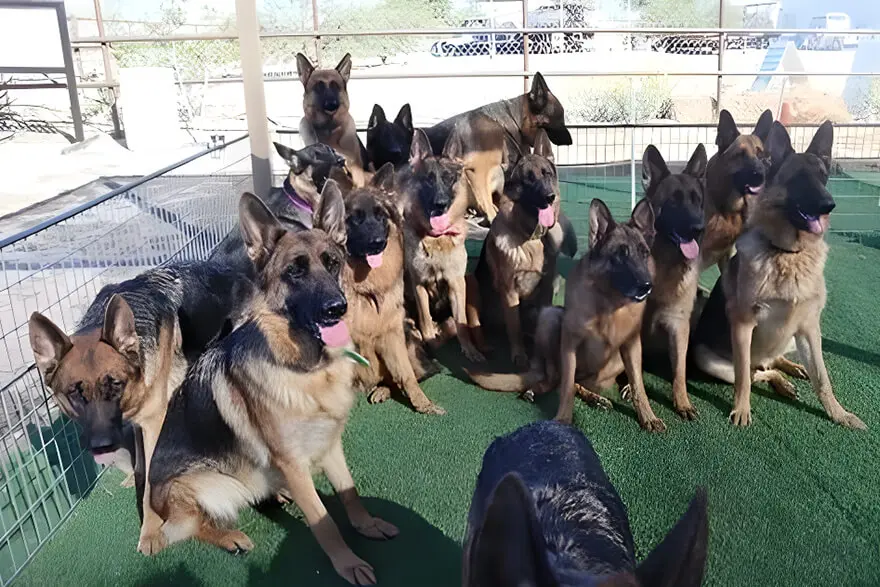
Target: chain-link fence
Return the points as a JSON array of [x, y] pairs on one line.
[[57, 268]]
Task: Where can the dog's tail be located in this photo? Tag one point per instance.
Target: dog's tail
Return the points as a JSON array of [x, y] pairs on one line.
[[509, 382], [713, 364]]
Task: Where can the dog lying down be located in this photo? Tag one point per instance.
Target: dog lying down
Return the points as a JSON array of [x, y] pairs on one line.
[[545, 514]]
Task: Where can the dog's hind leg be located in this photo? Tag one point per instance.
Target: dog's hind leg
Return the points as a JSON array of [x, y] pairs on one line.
[[790, 368], [592, 398], [777, 381], [458, 300], [472, 310], [679, 332]]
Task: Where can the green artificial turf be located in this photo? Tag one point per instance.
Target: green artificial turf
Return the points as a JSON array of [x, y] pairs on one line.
[[794, 499]]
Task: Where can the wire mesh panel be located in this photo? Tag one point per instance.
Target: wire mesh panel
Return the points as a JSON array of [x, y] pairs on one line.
[[58, 271]]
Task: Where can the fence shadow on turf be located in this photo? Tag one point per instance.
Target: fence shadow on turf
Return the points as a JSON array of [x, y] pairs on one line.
[[420, 555]]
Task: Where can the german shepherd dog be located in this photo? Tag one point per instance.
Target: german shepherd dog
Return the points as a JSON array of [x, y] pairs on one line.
[[131, 351], [774, 288], [434, 198], [293, 204], [585, 346], [544, 513], [518, 260], [677, 202], [269, 401], [372, 280], [389, 142], [325, 106], [734, 176], [520, 118]]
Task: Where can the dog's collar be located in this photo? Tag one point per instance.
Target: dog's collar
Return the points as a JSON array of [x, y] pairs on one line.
[[295, 199]]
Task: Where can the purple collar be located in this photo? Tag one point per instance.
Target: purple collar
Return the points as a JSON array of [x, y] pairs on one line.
[[295, 198]]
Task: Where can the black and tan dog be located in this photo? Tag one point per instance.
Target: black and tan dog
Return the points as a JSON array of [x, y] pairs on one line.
[[294, 203], [545, 514], [518, 260], [586, 345], [269, 401], [372, 280], [131, 351], [434, 199], [389, 141], [735, 175], [325, 107], [774, 288], [677, 201], [520, 118]]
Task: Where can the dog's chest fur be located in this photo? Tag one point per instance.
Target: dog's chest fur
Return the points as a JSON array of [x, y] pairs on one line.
[[675, 286], [605, 333], [431, 260], [516, 261]]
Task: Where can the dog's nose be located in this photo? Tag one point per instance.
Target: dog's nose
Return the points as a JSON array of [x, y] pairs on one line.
[[826, 207], [550, 197], [101, 443], [340, 160], [377, 243], [331, 105], [643, 290], [697, 228], [333, 309]]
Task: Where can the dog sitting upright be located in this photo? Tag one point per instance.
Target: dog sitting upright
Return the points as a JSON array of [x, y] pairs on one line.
[[372, 280], [325, 106], [130, 352], [389, 142], [545, 514], [677, 201], [434, 199], [267, 403], [734, 176], [586, 345], [774, 288], [518, 259]]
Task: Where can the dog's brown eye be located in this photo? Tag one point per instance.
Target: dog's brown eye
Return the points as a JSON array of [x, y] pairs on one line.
[[330, 262], [298, 268]]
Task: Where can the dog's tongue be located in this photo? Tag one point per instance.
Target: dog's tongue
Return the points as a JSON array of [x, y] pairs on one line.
[[336, 335], [374, 260], [814, 225], [755, 190], [440, 223], [105, 458], [545, 217], [690, 249]]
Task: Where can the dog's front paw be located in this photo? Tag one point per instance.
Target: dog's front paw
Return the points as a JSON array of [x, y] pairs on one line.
[[151, 543], [430, 408], [850, 420], [379, 395], [686, 411], [626, 392], [235, 542], [354, 569], [653, 425], [741, 416], [377, 529], [128, 481]]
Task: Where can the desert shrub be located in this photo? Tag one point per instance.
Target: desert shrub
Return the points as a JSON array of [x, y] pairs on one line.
[[621, 103]]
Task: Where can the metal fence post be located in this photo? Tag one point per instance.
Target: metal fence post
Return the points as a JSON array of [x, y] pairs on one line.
[[315, 24], [722, 38], [67, 52], [254, 94], [108, 71], [525, 37]]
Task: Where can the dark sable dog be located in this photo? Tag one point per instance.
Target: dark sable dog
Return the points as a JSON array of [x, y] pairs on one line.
[[389, 142], [293, 204], [518, 260], [520, 118], [735, 175], [585, 346], [774, 288], [325, 106], [544, 513], [268, 403], [372, 280], [677, 201], [434, 200], [130, 352]]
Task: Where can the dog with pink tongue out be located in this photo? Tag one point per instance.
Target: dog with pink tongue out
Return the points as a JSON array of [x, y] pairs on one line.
[[677, 202], [372, 279]]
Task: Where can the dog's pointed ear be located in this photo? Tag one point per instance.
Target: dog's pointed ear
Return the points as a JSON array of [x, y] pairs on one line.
[[654, 168], [119, 329], [384, 178], [539, 93], [508, 546], [763, 126], [419, 149], [304, 68], [543, 146], [696, 166], [454, 148], [296, 163], [330, 215], [260, 230], [49, 344], [643, 219], [601, 221], [778, 145], [822, 142], [727, 131], [680, 560], [377, 117], [344, 67], [404, 119]]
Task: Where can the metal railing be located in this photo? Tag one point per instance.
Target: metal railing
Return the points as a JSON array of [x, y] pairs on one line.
[[57, 267]]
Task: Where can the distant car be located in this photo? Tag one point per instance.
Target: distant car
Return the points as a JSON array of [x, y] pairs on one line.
[[832, 21], [479, 44]]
